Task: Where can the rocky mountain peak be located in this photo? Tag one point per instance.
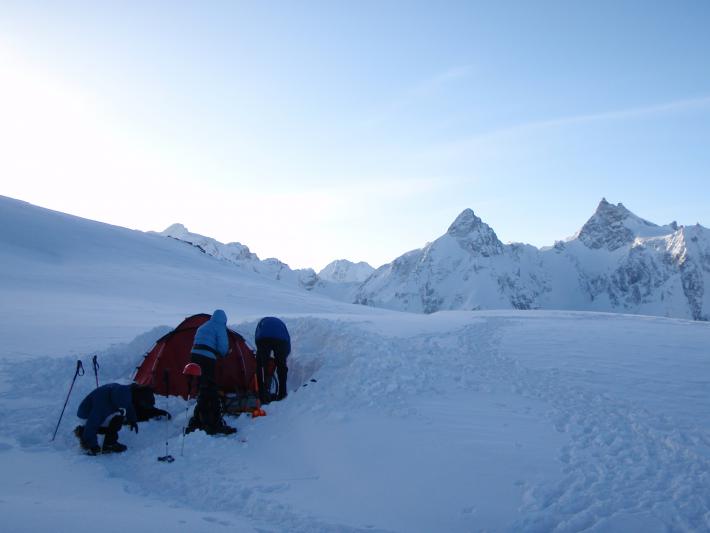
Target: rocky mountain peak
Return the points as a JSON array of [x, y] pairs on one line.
[[608, 209], [475, 235], [464, 224], [611, 227]]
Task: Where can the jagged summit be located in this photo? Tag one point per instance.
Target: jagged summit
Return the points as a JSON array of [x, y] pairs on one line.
[[608, 211], [613, 226], [475, 235], [465, 223]]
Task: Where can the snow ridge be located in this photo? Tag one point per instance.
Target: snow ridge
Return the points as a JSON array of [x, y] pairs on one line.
[[338, 280], [241, 256]]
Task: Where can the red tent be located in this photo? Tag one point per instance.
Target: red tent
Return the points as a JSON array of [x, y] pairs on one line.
[[162, 366]]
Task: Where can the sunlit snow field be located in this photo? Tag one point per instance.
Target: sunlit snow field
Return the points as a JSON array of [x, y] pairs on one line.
[[456, 421]]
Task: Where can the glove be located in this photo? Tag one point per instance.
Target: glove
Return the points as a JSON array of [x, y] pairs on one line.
[[133, 426]]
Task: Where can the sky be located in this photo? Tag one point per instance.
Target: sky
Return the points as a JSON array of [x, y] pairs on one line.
[[313, 131]]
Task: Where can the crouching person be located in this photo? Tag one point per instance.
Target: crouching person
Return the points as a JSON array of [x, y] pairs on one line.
[[104, 411], [272, 337]]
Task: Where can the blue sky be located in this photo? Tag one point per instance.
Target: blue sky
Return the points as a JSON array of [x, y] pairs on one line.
[[319, 130]]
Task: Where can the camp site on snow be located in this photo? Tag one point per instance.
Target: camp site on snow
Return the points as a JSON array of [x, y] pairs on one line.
[[200, 359]]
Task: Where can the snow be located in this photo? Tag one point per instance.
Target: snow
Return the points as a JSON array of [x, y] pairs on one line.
[[344, 271], [617, 262], [119, 283], [453, 421]]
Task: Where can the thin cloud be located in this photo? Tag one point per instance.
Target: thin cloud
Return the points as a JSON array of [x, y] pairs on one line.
[[422, 90], [676, 106], [631, 113]]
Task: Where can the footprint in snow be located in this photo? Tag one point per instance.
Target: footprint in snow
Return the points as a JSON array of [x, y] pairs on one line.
[[215, 521]]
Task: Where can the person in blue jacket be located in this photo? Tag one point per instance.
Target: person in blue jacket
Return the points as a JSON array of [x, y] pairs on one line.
[[211, 342], [104, 411], [272, 337]]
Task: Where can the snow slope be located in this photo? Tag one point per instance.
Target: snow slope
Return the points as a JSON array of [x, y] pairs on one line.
[[72, 285], [451, 421], [617, 262]]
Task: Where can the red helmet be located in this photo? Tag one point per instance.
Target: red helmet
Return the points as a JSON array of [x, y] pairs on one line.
[[192, 369]]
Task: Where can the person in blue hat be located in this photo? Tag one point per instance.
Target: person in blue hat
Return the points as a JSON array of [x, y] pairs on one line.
[[272, 339]]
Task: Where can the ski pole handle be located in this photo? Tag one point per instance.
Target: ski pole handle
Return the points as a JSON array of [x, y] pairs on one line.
[[95, 363]]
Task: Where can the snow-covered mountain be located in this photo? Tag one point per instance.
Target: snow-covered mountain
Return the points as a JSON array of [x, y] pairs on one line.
[[339, 280], [521, 421], [617, 262], [48, 259], [241, 256], [344, 271]]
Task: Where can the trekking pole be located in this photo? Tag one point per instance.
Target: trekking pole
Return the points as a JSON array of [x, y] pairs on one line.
[[79, 372], [167, 458], [95, 363]]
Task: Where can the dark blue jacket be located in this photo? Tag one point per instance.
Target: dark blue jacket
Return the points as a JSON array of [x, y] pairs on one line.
[[101, 403], [211, 338], [271, 327]]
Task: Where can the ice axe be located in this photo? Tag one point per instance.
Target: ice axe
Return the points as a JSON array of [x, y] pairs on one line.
[[190, 371], [167, 458]]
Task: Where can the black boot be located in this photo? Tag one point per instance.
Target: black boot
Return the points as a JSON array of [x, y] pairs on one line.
[[221, 428], [193, 424], [115, 447], [203, 417], [90, 450], [111, 444]]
